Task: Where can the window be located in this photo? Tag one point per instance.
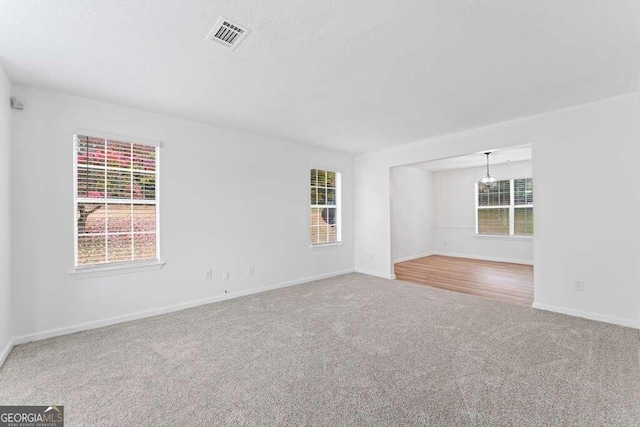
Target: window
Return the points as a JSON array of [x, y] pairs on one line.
[[506, 209], [115, 201], [325, 207]]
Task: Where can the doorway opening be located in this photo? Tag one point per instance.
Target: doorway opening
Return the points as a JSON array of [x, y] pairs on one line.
[[447, 231]]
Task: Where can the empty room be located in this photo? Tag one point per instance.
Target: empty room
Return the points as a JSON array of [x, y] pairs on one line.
[[466, 224], [224, 212]]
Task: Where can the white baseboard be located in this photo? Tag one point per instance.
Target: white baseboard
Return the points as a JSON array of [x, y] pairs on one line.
[[168, 309], [631, 323], [4, 353], [484, 258], [376, 274], [410, 257]]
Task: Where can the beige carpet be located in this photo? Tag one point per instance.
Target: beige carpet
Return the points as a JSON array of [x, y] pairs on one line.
[[349, 350]]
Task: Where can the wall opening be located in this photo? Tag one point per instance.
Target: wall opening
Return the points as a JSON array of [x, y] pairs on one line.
[[448, 232]]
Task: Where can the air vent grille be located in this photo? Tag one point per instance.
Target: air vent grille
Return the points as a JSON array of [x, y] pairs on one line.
[[227, 33]]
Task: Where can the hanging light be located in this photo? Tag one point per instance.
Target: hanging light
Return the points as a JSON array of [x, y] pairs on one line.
[[488, 181]]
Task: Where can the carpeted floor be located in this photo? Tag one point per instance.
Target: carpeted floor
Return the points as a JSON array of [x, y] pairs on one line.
[[348, 350]]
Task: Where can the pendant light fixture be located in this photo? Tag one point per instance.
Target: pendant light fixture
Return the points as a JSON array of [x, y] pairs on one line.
[[488, 181]]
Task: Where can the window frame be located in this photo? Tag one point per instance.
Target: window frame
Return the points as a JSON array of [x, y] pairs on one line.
[[511, 206], [118, 267], [337, 206]]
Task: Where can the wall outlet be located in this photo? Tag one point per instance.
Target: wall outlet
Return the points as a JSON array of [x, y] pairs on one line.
[[208, 274], [579, 285], [250, 270], [225, 275]]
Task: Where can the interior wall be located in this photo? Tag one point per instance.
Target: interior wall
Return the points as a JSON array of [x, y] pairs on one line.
[[411, 213], [585, 229], [5, 217], [455, 218], [229, 200]]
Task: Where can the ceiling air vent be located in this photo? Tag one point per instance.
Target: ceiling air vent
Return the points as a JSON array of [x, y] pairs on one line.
[[227, 33]]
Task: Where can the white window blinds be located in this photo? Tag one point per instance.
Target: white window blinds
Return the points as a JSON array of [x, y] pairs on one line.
[[523, 207], [115, 201], [506, 209]]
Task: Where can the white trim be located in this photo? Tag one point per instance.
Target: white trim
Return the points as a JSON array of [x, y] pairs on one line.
[[318, 246], [631, 323], [168, 309], [74, 180], [476, 204], [454, 227], [503, 237], [158, 187], [376, 274], [116, 137], [6, 350], [411, 257], [112, 269], [339, 206], [484, 258]]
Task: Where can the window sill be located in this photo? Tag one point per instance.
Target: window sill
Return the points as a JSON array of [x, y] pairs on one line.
[[113, 269], [324, 246], [502, 237]]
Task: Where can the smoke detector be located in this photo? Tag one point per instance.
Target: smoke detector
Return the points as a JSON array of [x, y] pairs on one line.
[[227, 33]]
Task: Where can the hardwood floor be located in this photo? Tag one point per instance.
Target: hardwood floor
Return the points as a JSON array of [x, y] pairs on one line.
[[497, 280]]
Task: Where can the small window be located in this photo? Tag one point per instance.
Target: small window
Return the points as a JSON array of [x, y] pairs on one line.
[[325, 207], [115, 202], [506, 209]]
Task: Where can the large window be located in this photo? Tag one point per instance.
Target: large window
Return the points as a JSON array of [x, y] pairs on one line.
[[325, 207], [115, 201], [506, 209]]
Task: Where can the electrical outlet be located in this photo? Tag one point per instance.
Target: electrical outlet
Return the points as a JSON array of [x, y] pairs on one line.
[[225, 275], [250, 270], [208, 274], [579, 286]]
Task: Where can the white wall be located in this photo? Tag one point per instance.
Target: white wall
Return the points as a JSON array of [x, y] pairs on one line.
[[5, 217], [455, 219], [585, 229], [411, 213], [228, 200]]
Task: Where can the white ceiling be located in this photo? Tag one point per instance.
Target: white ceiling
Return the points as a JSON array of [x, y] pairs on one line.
[[507, 155], [351, 75]]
